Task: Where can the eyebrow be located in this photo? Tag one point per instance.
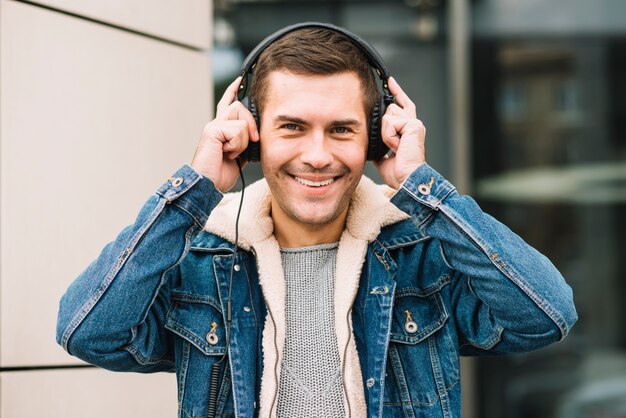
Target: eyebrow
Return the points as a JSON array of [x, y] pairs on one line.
[[346, 122], [300, 121], [291, 119]]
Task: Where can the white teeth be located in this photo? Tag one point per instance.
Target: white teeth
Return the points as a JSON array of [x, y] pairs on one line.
[[314, 183]]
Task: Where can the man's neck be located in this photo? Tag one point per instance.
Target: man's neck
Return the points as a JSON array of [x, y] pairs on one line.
[[293, 234]]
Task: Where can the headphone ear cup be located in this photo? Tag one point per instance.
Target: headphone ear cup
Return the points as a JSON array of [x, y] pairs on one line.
[[253, 151], [376, 148]]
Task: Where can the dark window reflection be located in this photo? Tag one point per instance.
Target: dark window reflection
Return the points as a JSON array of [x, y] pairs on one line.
[[549, 135]]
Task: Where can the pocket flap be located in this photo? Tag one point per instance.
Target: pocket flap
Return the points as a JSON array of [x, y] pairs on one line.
[[427, 313], [195, 321]]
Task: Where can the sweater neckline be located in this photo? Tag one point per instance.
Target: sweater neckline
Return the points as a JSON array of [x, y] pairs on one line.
[[310, 248]]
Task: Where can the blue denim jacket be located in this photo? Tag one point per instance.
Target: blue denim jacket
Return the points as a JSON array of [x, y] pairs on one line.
[[448, 281]]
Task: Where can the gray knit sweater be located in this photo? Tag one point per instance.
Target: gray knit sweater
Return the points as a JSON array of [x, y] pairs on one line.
[[310, 379]]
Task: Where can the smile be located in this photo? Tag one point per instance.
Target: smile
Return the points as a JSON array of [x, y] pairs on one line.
[[314, 183]]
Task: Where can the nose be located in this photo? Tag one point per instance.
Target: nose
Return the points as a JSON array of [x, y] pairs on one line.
[[317, 151]]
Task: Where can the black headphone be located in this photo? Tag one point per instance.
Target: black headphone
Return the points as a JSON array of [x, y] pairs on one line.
[[376, 148]]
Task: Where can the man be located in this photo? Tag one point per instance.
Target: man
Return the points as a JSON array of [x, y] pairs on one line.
[[343, 298]]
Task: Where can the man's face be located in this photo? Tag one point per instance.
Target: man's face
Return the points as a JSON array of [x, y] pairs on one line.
[[313, 144]]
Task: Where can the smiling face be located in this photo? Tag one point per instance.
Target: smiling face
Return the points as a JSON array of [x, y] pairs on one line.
[[313, 148]]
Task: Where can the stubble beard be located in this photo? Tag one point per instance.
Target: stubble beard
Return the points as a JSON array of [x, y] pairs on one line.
[[289, 206]]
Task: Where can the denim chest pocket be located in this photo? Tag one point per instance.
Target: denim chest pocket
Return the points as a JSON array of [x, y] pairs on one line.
[[423, 360], [199, 321], [416, 317], [199, 324]]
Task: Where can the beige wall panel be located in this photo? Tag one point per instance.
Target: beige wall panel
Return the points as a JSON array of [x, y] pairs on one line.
[[87, 393], [92, 122], [187, 22]]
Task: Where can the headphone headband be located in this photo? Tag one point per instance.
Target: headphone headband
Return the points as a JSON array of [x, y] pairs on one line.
[[372, 55]]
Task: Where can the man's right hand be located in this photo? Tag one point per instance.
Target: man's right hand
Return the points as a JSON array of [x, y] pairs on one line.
[[223, 139]]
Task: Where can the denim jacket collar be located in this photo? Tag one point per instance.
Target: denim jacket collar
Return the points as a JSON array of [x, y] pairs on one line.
[[370, 210]]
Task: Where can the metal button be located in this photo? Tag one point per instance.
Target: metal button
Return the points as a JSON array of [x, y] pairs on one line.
[[177, 181], [247, 308], [212, 338], [237, 267], [370, 382], [424, 189], [410, 327], [380, 290]]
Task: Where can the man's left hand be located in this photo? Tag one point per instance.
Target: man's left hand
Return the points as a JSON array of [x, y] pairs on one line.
[[405, 135]]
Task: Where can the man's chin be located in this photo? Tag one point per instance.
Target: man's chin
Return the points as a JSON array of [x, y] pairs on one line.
[[316, 220], [308, 215]]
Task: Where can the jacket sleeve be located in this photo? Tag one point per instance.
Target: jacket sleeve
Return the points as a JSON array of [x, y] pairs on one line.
[[113, 314], [506, 297]]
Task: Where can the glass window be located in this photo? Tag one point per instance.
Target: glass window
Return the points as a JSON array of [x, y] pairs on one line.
[[550, 162]]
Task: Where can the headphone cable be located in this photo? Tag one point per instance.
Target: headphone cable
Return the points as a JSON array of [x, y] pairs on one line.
[[215, 369]]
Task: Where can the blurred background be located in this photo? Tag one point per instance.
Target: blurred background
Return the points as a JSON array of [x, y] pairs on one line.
[[525, 106]]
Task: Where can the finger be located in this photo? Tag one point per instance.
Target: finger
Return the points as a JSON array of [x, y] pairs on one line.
[[229, 96], [391, 131], [237, 111], [234, 137], [232, 129], [395, 110], [402, 99]]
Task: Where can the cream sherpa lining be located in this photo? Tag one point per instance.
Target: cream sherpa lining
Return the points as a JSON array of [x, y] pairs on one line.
[[369, 211]]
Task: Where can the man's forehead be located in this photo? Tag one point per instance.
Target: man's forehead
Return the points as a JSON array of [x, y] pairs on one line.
[[290, 89], [349, 79]]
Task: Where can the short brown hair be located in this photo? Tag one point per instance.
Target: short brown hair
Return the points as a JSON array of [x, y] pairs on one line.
[[314, 51]]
